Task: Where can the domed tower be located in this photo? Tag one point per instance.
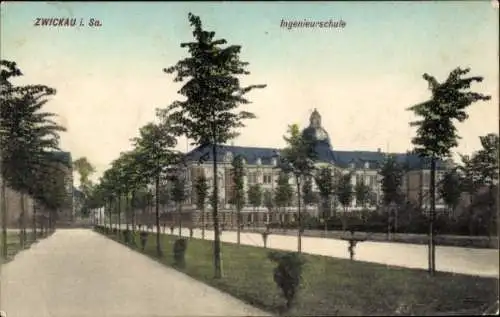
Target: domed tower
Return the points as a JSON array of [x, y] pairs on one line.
[[315, 131]]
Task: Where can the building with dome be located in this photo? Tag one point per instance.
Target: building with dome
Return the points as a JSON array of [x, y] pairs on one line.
[[261, 168]]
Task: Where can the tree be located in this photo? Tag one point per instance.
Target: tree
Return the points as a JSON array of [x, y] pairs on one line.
[[27, 135], [179, 195], [255, 196], [268, 202], [84, 169], [154, 146], [49, 189], [344, 195], [326, 185], [201, 190], [283, 193], [450, 190], [298, 159], [208, 116], [238, 192], [308, 195], [479, 176], [392, 179], [362, 192], [436, 132], [486, 159]]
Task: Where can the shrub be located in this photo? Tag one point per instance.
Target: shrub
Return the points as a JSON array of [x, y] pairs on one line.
[[288, 273], [180, 247], [144, 239]]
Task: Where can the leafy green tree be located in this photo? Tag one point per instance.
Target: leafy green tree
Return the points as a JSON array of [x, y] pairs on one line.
[[298, 159], [154, 146], [326, 184], [238, 193], [308, 196], [208, 116], [140, 201], [436, 131], [283, 193], [268, 202], [344, 193], [479, 176], [392, 179], [179, 195], [362, 192], [27, 134], [85, 169], [49, 189], [486, 159], [201, 190], [255, 196], [450, 190]]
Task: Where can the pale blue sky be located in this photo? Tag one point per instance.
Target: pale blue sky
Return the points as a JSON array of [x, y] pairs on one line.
[[361, 78]]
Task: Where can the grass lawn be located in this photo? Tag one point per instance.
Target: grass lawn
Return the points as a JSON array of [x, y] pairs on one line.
[[331, 286], [14, 244]]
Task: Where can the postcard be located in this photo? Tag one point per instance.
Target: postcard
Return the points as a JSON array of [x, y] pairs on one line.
[[249, 158]]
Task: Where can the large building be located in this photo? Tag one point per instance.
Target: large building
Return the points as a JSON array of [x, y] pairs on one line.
[[261, 168]]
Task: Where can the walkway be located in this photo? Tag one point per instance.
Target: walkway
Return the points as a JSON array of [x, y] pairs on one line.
[[79, 273], [471, 261]]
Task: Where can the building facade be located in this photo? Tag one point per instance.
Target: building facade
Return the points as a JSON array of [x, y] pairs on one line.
[[261, 167]]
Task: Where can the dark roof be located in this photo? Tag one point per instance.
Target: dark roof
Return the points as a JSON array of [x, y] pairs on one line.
[[324, 154], [251, 154]]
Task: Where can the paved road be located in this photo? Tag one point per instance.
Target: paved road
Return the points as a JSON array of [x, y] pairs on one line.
[[79, 273], [471, 261]]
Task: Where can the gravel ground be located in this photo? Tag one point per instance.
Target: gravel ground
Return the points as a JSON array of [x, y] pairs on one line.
[[79, 273]]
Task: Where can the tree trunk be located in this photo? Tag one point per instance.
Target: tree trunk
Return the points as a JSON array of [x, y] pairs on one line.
[[217, 246], [110, 214], [238, 225], [325, 210], [157, 213], [179, 208], [299, 235], [119, 214], [50, 220], [4, 219], [432, 248], [22, 232], [203, 222], [34, 222], [127, 211], [132, 199]]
